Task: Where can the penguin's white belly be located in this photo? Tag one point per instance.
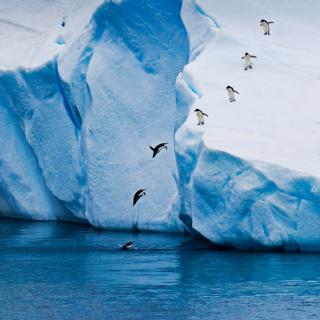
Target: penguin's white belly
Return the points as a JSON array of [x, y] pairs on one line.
[[247, 61], [230, 93], [265, 27], [200, 116]]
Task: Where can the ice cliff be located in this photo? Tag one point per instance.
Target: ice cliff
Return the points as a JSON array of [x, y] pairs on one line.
[[82, 101], [78, 125]]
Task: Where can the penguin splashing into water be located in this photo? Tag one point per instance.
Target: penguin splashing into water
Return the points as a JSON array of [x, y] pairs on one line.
[[127, 246]]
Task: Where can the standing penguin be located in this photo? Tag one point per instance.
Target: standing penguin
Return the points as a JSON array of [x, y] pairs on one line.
[[200, 116], [265, 26], [231, 92], [247, 61]]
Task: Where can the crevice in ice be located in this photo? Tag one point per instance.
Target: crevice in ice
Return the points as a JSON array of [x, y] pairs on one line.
[[199, 9], [71, 110]]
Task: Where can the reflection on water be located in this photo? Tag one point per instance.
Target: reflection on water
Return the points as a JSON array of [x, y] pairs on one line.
[[62, 271]]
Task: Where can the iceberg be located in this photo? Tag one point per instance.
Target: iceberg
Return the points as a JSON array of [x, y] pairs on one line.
[[85, 92]]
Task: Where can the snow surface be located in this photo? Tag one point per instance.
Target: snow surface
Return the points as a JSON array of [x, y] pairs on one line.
[[250, 176], [276, 118], [81, 104]]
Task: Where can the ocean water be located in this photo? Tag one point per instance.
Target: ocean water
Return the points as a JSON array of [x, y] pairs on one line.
[[64, 271]]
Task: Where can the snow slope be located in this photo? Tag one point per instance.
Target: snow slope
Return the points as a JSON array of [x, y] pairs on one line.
[[30, 30], [253, 169]]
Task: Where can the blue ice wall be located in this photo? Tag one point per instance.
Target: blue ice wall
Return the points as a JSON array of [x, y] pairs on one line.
[[246, 204], [87, 118], [131, 77]]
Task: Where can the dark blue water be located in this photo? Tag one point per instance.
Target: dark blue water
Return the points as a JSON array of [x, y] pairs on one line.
[[61, 271]]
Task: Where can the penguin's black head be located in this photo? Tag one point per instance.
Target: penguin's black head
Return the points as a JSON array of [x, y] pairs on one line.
[[196, 110], [262, 20], [246, 54], [228, 87]]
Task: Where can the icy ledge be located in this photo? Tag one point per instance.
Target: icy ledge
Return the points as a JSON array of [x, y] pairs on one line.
[[246, 205]]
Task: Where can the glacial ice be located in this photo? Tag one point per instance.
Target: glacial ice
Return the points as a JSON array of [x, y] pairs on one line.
[[88, 115], [249, 179], [81, 104]]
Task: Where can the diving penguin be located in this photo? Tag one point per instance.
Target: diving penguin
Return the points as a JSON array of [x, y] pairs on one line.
[[265, 26], [200, 116], [247, 60], [158, 148], [139, 194], [231, 92], [127, 245], [63, 22]]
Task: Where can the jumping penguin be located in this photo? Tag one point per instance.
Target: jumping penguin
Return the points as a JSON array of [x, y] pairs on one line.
[[231, 92], [265, 26], [127, 245], [139, 194], [200, 116], [247, 61], [158, 148], [63, 22]]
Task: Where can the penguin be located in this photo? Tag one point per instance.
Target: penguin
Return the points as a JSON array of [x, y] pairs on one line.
[[127, 246], [139, 194], [158, 148], [231, 92], [247, 61], [200, 116], [265, 26]]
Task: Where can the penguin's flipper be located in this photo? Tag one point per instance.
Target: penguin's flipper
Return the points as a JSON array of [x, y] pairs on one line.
[[242, 57], [269, 22], [236, 92], [154, 151], [205, 114], [254, 57]]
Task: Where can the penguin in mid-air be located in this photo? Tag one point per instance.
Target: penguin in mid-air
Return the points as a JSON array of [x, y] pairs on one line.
[[247, 61], [158, 148], [231, 92], [63, 22], [265, 26], [139, 194], [127, 245], [200, 116]]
